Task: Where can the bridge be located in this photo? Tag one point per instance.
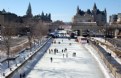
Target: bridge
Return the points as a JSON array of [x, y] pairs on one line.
[[109, 30]]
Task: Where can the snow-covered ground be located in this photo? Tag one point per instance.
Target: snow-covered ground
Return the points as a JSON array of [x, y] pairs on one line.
[[26, 68], [108, 50], [102, 40], [18, 61], [65, 65]]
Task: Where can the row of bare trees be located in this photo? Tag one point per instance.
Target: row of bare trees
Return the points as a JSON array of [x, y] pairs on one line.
[[37, 31]]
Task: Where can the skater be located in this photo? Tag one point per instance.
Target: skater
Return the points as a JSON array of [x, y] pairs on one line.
[[57, 50], [74, 54], [58, 42], [69, 43], [55, 42], [51, 59], [65, 50], [24, 75], [49, 51], [20, 75], [63, 55], [66, 55], [62, 50]]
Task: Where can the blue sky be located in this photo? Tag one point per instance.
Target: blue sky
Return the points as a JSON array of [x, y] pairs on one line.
[[60, 9]]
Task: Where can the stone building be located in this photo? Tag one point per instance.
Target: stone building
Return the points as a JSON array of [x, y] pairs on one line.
[[90, 21], [119, 18], [115, 19], [95, 15]]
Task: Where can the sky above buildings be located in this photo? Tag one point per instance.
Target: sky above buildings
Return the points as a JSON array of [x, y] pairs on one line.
[[60, 9]]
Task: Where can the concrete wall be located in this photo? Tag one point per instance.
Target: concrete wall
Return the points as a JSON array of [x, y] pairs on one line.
[[110, 62]]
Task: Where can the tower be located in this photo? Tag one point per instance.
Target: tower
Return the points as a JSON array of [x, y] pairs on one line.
[[94, 11], [105, 12], [94, 7], [49, 16], [78, 10], [3, 11], [29, 11]]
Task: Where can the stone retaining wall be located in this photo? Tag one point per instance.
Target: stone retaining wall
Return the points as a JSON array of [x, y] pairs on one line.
[[110, 62]]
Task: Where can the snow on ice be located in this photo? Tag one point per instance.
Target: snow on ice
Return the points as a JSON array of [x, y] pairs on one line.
[[65, 64]]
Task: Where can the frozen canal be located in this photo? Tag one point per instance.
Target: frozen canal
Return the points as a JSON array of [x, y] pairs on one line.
[[65, 65]]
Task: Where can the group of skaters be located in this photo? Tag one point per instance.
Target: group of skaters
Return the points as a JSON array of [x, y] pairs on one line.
[[63, 51], [22, 75], [55, 51], [54, 42]]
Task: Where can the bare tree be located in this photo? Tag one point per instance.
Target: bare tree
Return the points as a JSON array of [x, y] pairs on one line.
[[8, 30], [30, 25], [40, 30], [37, 29]]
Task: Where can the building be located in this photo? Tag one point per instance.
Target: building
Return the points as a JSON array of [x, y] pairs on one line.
[[119, 18], [90, 21], [21, 22], [11, 17], [115, 19], [95, 15]]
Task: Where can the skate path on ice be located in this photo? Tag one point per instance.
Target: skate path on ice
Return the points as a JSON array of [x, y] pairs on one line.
[[81, 66]]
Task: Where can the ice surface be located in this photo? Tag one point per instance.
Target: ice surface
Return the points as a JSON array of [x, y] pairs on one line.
[[83, 65]]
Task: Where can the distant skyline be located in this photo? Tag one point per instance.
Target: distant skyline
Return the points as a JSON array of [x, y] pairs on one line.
[[60, 9]]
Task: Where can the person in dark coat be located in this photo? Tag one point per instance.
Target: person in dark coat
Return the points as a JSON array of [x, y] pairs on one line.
[[20, 75], [24, 75], [51, 59]]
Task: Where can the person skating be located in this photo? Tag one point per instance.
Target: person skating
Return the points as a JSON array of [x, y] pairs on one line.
[[65, 50], [66, 55], [74, 54], [63, 55], [20, 75], [69, 43], [24, 75], [49, 51], [62, 50], [57, 50], [51, 59]]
